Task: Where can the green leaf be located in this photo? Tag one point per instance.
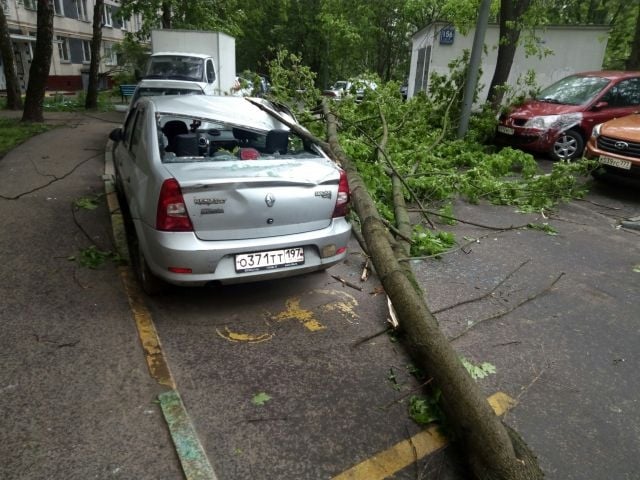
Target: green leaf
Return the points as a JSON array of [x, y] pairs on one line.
[[425, 409], [543, 227], [636, 268], [260, 399], [478, 371], [87, 203], [93, 258]]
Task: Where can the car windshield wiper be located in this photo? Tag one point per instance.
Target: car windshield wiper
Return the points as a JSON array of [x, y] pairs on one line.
[[549, 100]]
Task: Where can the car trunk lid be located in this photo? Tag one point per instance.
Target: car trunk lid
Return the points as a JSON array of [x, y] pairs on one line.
[[233, 200]]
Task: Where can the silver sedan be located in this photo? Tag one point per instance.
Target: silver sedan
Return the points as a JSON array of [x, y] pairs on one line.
[[221, 191]]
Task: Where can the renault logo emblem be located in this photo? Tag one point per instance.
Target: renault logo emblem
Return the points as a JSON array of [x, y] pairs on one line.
[[621, 145], [270, 199]]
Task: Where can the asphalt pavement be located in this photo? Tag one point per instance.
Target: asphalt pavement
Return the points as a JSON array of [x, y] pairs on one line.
[[558, 316]]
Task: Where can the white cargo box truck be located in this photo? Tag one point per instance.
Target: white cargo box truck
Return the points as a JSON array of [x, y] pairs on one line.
[[203, 57], [574, 49]]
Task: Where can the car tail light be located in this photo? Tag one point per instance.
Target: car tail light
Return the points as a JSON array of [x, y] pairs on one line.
[[342, 199], [172, 213]]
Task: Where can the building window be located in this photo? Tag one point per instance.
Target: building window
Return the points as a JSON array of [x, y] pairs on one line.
[[63, 48], [30, 4], [5, 6], [58, 9], [107, 21], [110, 57], [86, 51], [125, 24], [81, 7], [137, 22]]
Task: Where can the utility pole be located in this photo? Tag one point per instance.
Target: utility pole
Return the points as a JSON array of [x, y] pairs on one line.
[[474, 67]]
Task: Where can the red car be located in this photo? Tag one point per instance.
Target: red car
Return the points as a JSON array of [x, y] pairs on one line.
[[559, 120]]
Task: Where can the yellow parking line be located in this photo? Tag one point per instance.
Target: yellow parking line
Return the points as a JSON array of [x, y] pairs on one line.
[[156, 361], [401, 455]]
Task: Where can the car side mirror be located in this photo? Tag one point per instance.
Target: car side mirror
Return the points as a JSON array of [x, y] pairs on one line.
[[116, 135], [600, 105]]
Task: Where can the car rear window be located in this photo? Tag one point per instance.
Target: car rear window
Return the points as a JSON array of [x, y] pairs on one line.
[[194, 140]]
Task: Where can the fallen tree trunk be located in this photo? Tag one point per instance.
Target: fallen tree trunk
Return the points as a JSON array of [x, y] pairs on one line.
[[495, 452]]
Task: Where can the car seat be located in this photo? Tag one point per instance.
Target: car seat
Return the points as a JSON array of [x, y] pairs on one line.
[[277, 141], [186, 145], [171, 129]]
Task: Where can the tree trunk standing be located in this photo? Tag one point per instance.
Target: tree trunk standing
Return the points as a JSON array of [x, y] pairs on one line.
[[39, 71], [494, 453], [166, 15], [14, 98], [91, 102], [633, 62], [510, 13]]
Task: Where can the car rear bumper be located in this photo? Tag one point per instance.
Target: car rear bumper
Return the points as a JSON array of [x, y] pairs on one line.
[[214, 261]]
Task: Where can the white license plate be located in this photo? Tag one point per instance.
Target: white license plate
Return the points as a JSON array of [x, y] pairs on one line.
[[505, 130], [615, 162], [252, 262]]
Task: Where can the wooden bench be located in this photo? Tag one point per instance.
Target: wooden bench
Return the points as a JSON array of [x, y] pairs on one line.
[[126, 91]]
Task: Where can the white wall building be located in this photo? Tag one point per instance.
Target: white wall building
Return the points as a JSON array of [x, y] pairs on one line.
[[575, 49], [73, 30]]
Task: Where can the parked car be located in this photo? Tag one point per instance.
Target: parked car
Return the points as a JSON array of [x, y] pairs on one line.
[[559, 120], [616, 146], [221, 191], [148, 88], [338, 89], [357, 87]]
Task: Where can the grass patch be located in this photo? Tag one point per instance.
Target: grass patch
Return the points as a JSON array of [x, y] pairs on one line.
[[75, 103], [13, 133]]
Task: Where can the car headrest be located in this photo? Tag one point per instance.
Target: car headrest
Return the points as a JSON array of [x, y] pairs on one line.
[[277, 141]]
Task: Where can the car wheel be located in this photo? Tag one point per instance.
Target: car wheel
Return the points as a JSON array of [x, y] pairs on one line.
[[150, 283], [568, 146]]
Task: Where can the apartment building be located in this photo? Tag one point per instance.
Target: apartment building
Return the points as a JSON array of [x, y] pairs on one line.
[[73, 29]]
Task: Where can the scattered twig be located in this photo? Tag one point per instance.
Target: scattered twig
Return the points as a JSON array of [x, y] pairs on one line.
[[453, 250], [357, 343], [475, 224], [406, 394], [53, 180], [396, 231], [481, 297], [509, 310], [365, 271], [393, 317], [598, 204], [415, 453], [515, 342], [346, 283]]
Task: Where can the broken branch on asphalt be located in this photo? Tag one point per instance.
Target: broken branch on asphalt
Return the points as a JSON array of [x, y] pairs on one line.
[[495, 451], [482, 297], [509, 310]]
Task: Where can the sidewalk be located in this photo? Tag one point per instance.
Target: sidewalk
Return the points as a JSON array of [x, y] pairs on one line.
[[77, 398]]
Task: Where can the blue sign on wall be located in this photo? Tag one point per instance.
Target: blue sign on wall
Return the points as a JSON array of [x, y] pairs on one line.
[[447, 34]]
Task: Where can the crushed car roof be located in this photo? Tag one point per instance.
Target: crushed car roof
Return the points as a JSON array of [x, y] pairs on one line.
[[232, 110]]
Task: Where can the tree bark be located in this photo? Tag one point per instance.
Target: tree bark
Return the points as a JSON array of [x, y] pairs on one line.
[[14, 98], [39, 71], [91, 102], [493, 452], [510, 13], [633, 62], [166, 14]]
